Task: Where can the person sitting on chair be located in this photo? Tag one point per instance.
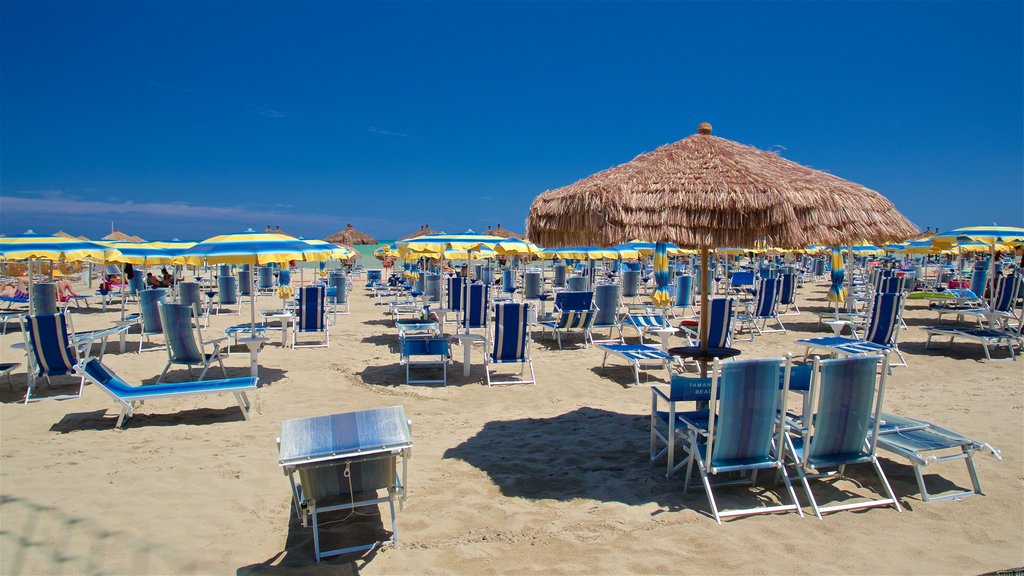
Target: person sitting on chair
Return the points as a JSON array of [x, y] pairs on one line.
[[165, 278], [152, 281]]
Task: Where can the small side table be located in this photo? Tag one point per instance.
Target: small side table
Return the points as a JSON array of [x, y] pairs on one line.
[[466, 340]]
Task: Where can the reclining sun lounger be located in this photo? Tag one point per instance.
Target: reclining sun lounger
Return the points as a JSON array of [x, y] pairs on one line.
[[921, 442], [637, 355], [128, 396]]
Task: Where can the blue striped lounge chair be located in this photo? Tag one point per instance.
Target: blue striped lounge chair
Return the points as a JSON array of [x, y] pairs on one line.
[[979, 278], [510, 343], [149, 311], [745, 433], [607, 299], [50, 352], [683, 297], [741, 281], [766, 308], [643, 321], [841, 427], [1001, 310], [312, 317], [425, 351], [787, 297], [719, 324], [880, 337], [637, 355], [185, 343], [924, 444], [575, 312], [128, 396], [474, 316]]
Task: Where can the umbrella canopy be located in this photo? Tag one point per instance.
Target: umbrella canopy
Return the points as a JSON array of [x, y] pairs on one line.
[[388, 251], [866, 250], [468, 240], [989, 235], [250, 247], [423, 231], [142, 253], [706, 191], [588, 253], [647, 248], [32, 245], [517, 247], [351, 236], [332, 251], [502, 233], [118, 236]]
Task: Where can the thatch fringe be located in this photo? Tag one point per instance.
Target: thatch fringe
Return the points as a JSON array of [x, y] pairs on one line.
[[709, 191]]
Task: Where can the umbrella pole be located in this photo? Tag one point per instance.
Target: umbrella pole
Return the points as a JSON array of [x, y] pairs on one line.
[[705, 286], [31, 300]]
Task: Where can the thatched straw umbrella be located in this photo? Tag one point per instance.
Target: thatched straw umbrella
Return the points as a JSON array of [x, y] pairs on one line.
[[118, 236], [423, 231], [502, 233], [64, 234], [704, 191], [351, 237]]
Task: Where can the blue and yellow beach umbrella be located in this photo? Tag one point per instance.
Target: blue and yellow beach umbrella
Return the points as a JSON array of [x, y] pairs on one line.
[[836, 292], [466, 242], [144, 252], [38, 246], [250, 247], [648, 248], [661, 297], [989, 235]]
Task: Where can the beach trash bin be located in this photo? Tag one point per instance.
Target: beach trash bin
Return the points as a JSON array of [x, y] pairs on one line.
[[630, 283], [227, 289], [576, 283], [508, 281], [532, 284], [188, 293], [606, 298], [245, 281], [558, 281], [265, 276]]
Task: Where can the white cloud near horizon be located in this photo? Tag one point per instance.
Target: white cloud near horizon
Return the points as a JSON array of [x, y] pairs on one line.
[[383, 132], [268, 112]]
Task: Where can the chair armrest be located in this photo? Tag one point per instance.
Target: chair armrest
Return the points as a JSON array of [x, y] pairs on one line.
[[656, 391]]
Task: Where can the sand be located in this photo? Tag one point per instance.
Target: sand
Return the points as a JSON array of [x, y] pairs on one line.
[[552, 478]]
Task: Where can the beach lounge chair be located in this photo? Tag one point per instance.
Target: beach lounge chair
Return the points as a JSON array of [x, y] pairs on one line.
[[741, 281], [644, 322], [575, 312], [425, 351], [839, 426], [607, 298], [924, 444], [787, 295], [683, 297], [185, 343], [50, 352], [128, 396], [719, 324], [20, 298], [312, 316], [766, 308], [149, 311], [988, 338], [743, 432], [227, 292], [637, 355], [670, 424], [474, 315], [880, 336], [510, 343], [1002, 309]]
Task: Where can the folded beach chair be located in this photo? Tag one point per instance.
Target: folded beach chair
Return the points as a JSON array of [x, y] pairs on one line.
[[510, 343], [575, 312], [787, 295], [340, 299], [312, 317], [227, 292], [607, 299], [880, 336], [643, 322], [428, 351], [924, 444], [188, 293], [744, 432], [128, 396], [185, 343], [766, 308], [149, 311], [839, 426], [373, 278]]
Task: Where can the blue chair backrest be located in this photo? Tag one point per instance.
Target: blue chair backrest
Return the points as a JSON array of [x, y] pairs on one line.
[[311, 309], [181, 339], [741, 279], [245, 282], [453, 296], [684, 291], [1006, 293], [138, 282], [44, 298], [532, 284], [720, 322], [558, 280], [284, 277], [265, 277], [768, 294], [892, 284], [885, 317], [47, 336], [630, 283], [978, 279], [475, 315], [747, 405], [188, 293], [574, 300], [576, 319], [373, 276], [149, 307], [227, 289], [576, 283], [425, 347], [486, 275], [689, 389], [508, 281], [788, 290], [510, 332], [106, 378], [839, 423], [607, 297]]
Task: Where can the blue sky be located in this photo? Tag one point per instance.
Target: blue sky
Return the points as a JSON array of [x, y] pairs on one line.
[[193, 119]]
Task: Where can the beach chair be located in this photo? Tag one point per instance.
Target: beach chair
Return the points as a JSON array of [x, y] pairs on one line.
[[670, 426], [839, 427], [637, 356], [766, 308], [924, 444], [683, 297], [787, 295], [643, 322], [227, 292], [607, 299], [879, 338], [474, 315], [428, 351], [312, 318], [50, 352], [741, 281], [743, 432], [575, 312], [720, 325], [128, 397], [149, 312], [510, 343], [185, 343], [988, 338], [1001, 310]]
